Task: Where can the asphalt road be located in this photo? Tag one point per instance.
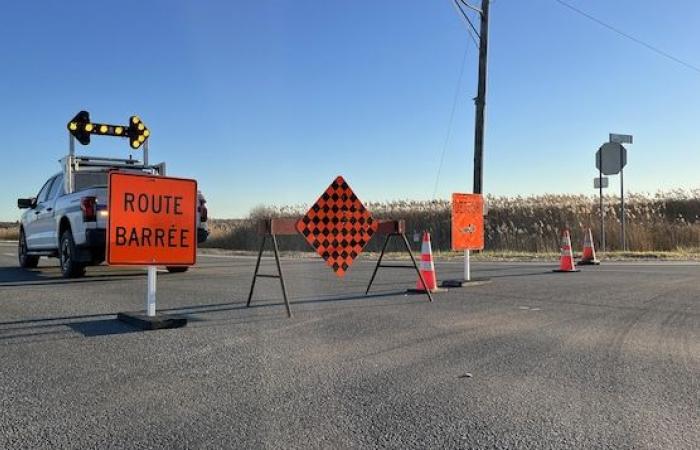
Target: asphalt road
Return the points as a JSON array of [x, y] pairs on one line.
[[608, 357]]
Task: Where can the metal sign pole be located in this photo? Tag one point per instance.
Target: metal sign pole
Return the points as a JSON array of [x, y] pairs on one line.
[[602, 210], [151, 296], [622, 211], [68, 181], [612, 158], [467, 268]]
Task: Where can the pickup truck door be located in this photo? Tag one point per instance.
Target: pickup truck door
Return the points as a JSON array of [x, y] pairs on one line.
[[32, 217], [44, 228]]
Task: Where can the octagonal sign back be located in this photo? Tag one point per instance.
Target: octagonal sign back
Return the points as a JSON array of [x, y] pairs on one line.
[[338, 226], [610, 158]]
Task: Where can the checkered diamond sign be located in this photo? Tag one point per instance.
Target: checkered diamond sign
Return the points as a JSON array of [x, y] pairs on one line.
[[338, 226]]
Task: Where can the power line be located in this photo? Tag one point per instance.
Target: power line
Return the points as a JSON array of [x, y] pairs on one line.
[[630, 37], [472, 31], [449, 123]]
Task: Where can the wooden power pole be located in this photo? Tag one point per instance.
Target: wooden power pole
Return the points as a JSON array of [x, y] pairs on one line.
[[480, 99]]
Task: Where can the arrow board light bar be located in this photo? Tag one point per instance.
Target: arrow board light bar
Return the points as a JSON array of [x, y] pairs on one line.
[[81, 128]]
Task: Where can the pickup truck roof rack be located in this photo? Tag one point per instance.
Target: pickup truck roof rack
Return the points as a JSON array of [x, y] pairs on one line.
[[73, 163]]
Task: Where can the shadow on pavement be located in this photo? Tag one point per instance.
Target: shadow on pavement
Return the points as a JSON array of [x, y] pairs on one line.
[[16, 276], [106, 324], [528, 274], [104, 327]]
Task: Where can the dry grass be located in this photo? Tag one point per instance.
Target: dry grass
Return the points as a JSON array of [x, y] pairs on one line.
[[9, 231], [664, 222]]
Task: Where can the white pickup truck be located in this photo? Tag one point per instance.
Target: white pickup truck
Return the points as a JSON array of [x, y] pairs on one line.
[[68, 217]]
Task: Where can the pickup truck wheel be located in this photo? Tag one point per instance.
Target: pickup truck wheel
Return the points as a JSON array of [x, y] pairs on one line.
[[69, 267], [25, 261], [177, 269]]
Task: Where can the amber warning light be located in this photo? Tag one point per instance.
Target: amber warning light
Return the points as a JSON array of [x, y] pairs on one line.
[[152, 220]]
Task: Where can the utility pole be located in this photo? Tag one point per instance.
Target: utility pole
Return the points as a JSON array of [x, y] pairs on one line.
[[480, 99]]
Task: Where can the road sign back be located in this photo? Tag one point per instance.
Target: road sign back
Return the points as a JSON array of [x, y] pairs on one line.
[[610, 158], [467, 222], [620, 138], [338, 226], [152, 220]]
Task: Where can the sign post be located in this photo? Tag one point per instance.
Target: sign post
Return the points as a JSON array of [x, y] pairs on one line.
[[623, 241], [600, 183], [467, 266], [151, 297], [152, 221], [611, 158]]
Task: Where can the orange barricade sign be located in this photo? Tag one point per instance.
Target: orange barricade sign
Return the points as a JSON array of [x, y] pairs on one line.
[[152, 220], [467, 222], [338, 226]]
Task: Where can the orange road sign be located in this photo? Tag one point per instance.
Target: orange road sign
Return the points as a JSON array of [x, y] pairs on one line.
[[467, 222], [152, 220], [338, 226]]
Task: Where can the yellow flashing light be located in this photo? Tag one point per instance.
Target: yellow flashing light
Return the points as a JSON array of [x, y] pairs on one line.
[[118, 130], [89, 127], [104, 128]]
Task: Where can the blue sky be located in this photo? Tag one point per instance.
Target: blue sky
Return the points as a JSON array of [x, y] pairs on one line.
[[264, 102]]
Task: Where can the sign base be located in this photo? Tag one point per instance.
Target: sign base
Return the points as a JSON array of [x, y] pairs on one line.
[[465, 283], [437, 290], [157, 322], [594, 262]]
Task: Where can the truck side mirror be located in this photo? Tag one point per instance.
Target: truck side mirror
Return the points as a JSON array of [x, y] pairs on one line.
[[24, 203]]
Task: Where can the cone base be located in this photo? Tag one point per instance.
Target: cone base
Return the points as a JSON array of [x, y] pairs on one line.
[[565, 271], [591, 262]]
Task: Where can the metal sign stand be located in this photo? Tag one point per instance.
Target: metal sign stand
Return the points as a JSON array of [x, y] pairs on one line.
[[152, 270], [396, 228], [467, 223], [271, 228], [151, 321]]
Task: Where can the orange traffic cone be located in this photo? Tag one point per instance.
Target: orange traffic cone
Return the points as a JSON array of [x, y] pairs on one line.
[[427, 267], [566, 262], [588, 257]]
